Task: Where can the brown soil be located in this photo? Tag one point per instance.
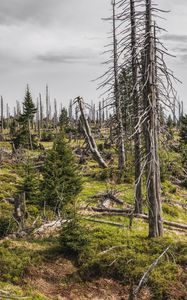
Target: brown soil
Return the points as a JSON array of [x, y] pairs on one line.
[[52, 280]]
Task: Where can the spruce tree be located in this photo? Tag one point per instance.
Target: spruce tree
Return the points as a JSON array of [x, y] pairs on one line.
[[183, 129], [63, 119], [61, 182], [31, 183], [24, 136]]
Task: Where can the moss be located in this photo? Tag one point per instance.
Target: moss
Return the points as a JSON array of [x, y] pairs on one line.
[[6, 226], [171, 210], [129, 259], [14, 261], [168, 187], [19, 292]]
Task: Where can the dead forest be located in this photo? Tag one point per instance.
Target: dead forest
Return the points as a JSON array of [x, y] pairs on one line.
[[93, 195]]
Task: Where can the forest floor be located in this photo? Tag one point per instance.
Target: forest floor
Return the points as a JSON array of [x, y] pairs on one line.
[[38, 270], [52, 279]]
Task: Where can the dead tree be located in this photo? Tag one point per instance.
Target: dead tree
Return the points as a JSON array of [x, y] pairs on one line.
[[55, 118], [136, 109], [150, 129], [7, 115], [88, 135], [2, 115], [70, 111], [41, 112], [117, 97], [20, 213], [38, 118], [47, 107]]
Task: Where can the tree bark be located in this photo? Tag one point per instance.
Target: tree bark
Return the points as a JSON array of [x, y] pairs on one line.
[[136, 105], [121, 143], [150, 131], [2, 112]]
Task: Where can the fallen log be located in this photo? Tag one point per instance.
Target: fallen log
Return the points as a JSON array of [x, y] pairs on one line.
[[103, 222], [112, 210], [89, 137], [49, 227], [130, 213]]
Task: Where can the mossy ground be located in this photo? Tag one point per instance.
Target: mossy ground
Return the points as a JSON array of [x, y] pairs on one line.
[[133, 252]]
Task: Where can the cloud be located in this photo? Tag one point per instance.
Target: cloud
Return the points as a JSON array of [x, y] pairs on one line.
[[180, 49], [174, 37], [69, 56], [20, 11]]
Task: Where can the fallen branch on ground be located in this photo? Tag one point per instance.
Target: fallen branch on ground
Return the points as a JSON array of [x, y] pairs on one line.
[[146, 274], [108, 196]]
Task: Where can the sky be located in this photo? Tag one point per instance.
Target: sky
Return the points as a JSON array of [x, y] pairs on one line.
[[60, 43]]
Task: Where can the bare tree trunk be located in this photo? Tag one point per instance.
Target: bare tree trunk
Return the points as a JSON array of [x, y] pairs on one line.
[[88, 135], [136, 105], [117, 96], [100, 115], [2, 117], [38, 118], [8, 115], [55, 115], [47, 107], [20, 210], [150, 131], [41, 112]]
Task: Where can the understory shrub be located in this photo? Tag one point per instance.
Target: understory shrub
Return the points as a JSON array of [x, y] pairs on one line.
[[5, 227], [73, 239]]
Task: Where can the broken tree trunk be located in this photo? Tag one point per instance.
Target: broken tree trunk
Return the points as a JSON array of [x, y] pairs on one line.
[[20, 213], [89, 138], [136, 108]]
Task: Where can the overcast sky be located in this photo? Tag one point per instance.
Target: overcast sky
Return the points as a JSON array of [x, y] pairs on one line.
[[60, 42]]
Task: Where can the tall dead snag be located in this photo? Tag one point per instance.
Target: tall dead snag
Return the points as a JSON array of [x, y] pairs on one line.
[[2, 113], [117, 98], [136, 107], [41, 112], [7, 115], [88, 136], [55, 118], [20, 213], [47, 107], [150, 130]]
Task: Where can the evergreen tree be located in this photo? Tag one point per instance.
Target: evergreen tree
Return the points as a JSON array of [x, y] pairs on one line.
[[170, 122], [183, 129], [63, 119], [61, 182], [24, 136], [31, 183]]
